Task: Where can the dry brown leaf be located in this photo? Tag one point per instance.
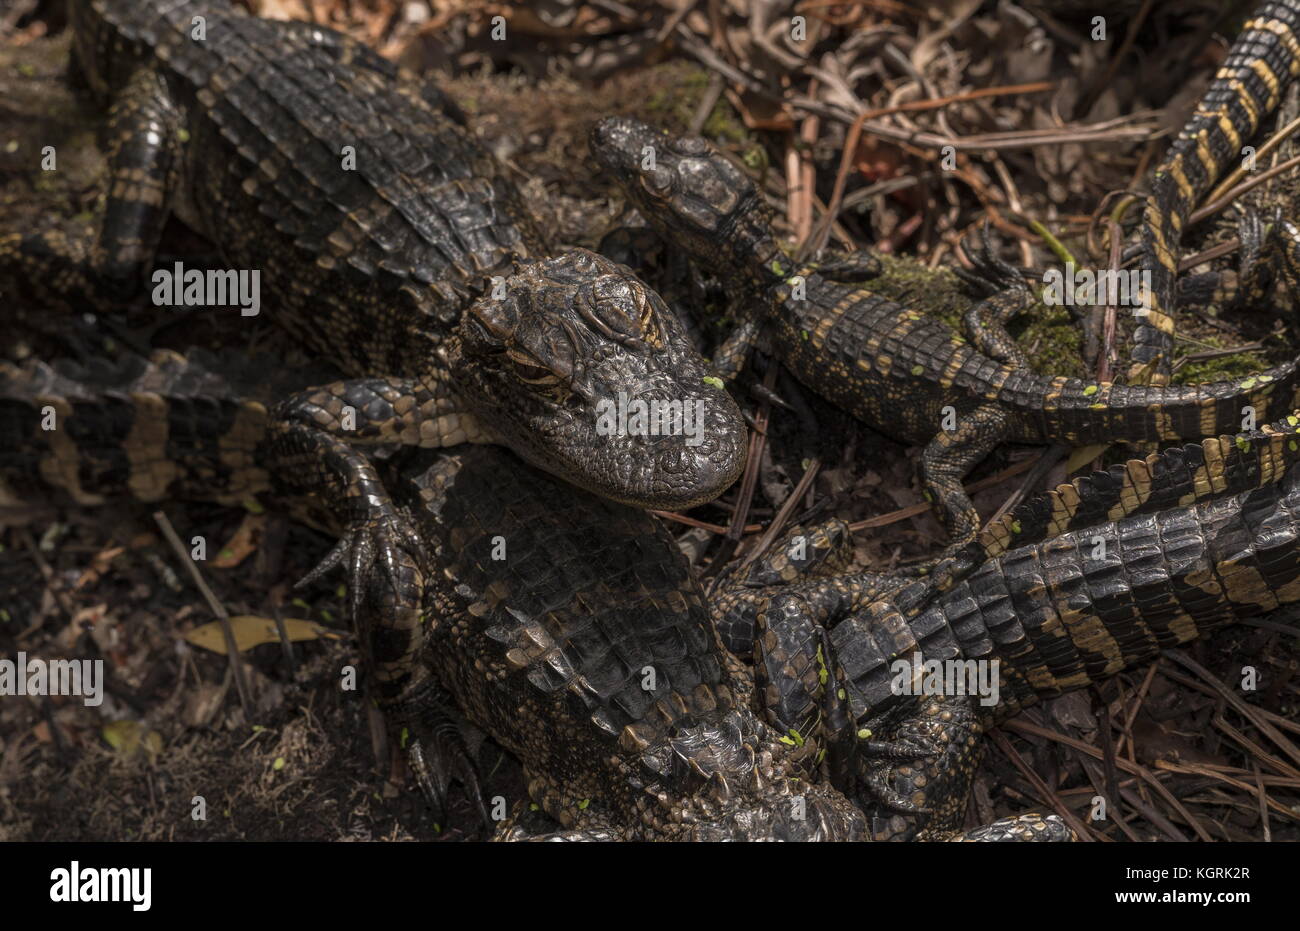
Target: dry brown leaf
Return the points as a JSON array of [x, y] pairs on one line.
[[251, 631]]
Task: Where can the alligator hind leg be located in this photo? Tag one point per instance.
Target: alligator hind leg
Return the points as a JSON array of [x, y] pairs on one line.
[[946, 461], [59, 270]]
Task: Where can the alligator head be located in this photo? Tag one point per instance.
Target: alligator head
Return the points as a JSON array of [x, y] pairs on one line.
[[691, 194], [582, 370]]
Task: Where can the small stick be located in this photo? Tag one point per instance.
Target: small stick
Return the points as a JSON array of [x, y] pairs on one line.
[[232, 649], [1226, 200], [783, 515], [1026, 727]]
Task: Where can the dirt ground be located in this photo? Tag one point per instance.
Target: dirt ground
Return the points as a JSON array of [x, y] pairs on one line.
[[307, 760]]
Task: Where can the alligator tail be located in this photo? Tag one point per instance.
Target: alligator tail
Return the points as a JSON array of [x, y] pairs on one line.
[[1081, 413], [1262, 62], [150, 430]]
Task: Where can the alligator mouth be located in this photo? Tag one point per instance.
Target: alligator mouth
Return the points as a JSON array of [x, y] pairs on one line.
[[666, 471], [680, 450]]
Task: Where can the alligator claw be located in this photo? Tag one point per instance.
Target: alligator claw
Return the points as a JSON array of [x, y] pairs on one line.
[[763, 393], [379, 541], [989, 273], [437, 755]]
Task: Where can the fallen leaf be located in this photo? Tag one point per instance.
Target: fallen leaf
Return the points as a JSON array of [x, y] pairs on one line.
[[251, 631], [123, 736]]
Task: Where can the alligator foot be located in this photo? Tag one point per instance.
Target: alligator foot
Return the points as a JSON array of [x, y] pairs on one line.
[[913, 794], [1005, 295], [380, 539], [437, 754]]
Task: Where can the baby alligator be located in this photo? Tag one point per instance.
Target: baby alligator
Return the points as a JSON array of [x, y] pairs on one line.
[[899, 370], [580, 641], [1056, 616], [576, 636], [391, 243]]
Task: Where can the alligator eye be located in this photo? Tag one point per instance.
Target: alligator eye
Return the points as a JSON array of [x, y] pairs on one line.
[[532, 373]]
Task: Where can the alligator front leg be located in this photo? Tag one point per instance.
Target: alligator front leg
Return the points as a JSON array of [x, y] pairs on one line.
[[59, 270], [1005, 295], [392, 626], [310, 449]]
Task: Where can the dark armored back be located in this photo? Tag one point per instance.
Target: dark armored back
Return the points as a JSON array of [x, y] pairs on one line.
[[593, 621]]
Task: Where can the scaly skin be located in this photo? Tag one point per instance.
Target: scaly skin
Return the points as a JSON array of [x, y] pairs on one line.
[[172, 427], [597, 667], [585, 649], [780, 610], [549, 654], [1057, 615], [378, 226], [1176, 477], [1263, 61], [895, 368], [595, 664]]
